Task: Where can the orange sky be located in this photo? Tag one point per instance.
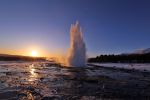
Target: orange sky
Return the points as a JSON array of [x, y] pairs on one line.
[[25, 52]]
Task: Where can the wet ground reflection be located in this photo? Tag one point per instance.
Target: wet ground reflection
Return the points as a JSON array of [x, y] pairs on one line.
[[51, 81], [34, 75]]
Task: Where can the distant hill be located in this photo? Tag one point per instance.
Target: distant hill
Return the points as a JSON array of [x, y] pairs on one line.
[[8, 57], [139, 51], [142, 51], [138, 56]]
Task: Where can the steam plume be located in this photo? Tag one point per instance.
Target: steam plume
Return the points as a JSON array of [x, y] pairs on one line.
[[77, 51]]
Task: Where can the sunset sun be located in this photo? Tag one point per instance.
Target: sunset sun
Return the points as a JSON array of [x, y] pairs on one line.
[[34, 53]]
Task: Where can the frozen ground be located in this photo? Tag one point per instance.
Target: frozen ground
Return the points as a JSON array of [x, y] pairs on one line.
[[137, 66], [51, 81]]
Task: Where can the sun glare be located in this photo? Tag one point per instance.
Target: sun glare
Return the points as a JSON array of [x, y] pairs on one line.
[[34, 54]]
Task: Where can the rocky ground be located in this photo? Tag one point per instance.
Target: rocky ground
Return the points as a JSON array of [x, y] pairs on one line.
[[51, 81]]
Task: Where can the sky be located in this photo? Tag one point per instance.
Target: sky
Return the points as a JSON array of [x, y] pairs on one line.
[[109, 26]]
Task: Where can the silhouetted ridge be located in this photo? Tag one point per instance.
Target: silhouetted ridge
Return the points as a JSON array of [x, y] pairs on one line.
[[122, 58], [7, 57]]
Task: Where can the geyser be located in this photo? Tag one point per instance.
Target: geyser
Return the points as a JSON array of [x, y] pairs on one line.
[[77, 51]]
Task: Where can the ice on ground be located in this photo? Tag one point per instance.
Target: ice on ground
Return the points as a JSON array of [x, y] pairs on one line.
[[141, 67], [50, 80]]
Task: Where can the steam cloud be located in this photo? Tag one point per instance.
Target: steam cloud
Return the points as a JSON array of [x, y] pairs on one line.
[[77, 51]]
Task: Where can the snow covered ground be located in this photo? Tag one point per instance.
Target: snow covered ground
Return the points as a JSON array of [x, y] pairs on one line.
[[141, 66]]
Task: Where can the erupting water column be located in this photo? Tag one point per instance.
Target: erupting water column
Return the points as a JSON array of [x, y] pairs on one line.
[[77, 51]]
